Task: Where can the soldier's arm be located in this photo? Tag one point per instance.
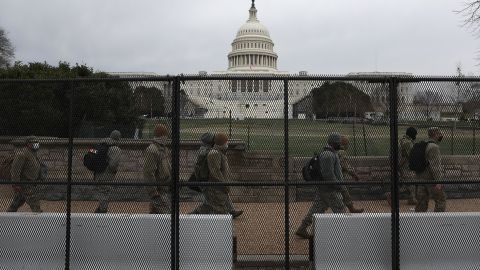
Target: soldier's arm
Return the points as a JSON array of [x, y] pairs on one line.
[[17, 166], [346, 167], [435, 163], [150, 166], [214, 160]]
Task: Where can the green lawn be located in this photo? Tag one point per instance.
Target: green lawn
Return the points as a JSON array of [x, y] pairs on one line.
[[308, 136]]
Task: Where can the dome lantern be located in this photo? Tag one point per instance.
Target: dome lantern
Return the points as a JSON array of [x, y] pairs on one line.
[[252, 48]]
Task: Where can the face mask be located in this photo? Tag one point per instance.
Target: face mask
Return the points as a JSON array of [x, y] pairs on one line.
[[414, 137], [223, 147], [35, 146]]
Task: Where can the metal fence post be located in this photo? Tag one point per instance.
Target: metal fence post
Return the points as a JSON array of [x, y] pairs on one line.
[[474, 140], [230, 124], [354, 138], [286, 165], [175, 219], [364, 138], [394, 175], [451, 137], [69, 177]]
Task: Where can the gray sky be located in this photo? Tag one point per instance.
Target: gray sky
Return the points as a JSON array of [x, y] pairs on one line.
[[185, 36]]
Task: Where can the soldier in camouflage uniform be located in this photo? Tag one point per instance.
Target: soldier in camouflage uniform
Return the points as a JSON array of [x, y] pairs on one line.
[[207, 140], [26, 167], [433, 172], [405, 145], [326, 196], [216, 197], [347, 169], [113, 156], [157, 169]]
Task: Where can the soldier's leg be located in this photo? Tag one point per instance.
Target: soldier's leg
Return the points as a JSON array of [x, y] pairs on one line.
[[335, 202], [411, 194], [422, 199], [102, 197], [231, 208], [33, 201], [388, 197], [440, 199], [159, 200], [218, 199], [201, 208], [215, 202], [320, 205], [347, 200], [17, 202]]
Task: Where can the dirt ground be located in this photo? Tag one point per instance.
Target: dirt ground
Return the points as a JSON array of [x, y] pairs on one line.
[[260, 230]]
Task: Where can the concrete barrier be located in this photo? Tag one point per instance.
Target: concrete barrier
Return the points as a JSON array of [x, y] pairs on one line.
[[434, 241], [113, 241]]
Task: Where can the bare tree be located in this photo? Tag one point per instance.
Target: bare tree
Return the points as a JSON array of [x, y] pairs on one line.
[[428, 100], [471, 18], [6, 49]]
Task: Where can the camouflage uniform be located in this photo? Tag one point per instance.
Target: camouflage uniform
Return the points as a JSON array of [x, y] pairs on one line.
[[349, 170], [326, 196], [432, 172], [108, 175], [157, 169], [404, 147], [216, 198], [25, 167]]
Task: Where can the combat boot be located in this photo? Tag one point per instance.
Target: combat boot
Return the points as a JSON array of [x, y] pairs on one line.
[[352, 209], [302, 231], [236, 213], [388, 196], [154, 210], [100, 211]]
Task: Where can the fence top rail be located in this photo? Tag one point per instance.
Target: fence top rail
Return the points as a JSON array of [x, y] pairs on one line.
[[280, 77], [166, 78]]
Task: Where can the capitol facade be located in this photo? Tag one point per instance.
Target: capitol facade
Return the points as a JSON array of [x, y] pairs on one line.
[[252, 54]]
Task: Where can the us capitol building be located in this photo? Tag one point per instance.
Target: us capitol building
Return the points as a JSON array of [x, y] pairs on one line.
[[253, 54]]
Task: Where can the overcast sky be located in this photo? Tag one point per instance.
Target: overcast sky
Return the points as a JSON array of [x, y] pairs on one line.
[[185, 36]]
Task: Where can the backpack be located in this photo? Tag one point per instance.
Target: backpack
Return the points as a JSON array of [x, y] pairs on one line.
[[311, 170], [201, 170], [96, 159], [416, 160], [6, 168]]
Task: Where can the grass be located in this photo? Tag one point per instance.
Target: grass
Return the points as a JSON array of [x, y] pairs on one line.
[[309, 136]]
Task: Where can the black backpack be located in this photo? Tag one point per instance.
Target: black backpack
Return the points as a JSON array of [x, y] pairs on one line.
[[416, 159], [201, 170], [96, 159], [311, 170]]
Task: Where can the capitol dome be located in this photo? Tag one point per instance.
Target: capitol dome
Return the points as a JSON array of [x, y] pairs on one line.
[[252, 48]]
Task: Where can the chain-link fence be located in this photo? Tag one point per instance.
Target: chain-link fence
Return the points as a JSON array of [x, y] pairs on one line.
[[118, 170]]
